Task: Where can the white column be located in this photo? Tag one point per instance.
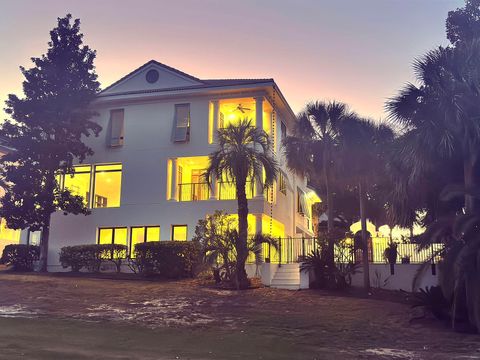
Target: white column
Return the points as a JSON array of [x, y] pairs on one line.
[[216, 119], [259, 125], [258, 223], [174, 190]]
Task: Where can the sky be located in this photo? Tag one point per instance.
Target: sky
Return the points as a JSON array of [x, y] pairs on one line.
[[355, 51]]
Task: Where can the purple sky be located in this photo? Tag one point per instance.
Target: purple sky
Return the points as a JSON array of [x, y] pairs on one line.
[[356, 51]]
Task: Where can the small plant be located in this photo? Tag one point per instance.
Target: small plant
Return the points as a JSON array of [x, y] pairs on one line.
[[431, 299], [390, 254], [20, 257]]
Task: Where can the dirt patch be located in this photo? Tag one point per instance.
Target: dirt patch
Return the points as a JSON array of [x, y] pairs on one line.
[[308, 321]]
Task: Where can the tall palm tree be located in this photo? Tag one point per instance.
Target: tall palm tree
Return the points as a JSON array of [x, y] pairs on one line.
[[440, 117], [243, 152], [312, 149], [363, 146]]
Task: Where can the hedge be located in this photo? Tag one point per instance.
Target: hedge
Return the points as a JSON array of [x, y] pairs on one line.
[[20, 256], [91, 256], [170, 259]]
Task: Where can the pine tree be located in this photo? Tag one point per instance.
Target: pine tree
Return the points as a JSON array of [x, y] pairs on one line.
[[46, 129]]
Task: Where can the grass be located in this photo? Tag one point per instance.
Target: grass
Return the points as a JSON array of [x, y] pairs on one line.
[[59, 317]]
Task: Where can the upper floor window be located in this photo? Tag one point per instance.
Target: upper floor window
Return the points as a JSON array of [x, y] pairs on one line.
[[107, 186], [283, 129], [79, 182], [182, 123], [282, 183], [117, 131], [301, 206]]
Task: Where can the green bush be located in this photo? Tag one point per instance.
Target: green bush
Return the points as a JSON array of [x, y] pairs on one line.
[[20, 256], [170, 259], [91, 256]]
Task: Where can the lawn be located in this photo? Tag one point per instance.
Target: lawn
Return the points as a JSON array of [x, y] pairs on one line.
[[60, 317]]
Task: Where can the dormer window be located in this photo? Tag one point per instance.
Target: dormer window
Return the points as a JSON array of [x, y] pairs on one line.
[[182, 123]]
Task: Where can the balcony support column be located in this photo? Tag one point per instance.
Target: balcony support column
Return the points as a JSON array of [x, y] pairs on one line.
[[174, 189], [213, 188], [216, 119], [259, 194]]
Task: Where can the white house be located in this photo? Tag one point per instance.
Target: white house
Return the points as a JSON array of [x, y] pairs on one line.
[[144, 181]]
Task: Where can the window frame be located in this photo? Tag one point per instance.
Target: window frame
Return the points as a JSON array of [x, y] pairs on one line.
[[91, 172], [173, 231], [283, 130], [94, 179], [145, 234], [121, 138], [282, 183], [187, 128]]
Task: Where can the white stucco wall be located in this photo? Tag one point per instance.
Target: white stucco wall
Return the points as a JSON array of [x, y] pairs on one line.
[[144, 156]]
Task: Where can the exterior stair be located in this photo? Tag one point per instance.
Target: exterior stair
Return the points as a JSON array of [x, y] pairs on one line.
[[287, 277]]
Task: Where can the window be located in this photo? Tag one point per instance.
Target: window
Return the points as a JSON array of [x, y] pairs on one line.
[[33, 237], [79, 182], [141, 234], [282, 183], [179, 232], [116, 128], [182, 123], [300, 202], [283, 129], [107, 187], [117, 235]]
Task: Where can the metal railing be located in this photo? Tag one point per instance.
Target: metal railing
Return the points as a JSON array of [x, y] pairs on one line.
[[227, 190], [193, 192], [292, 250]]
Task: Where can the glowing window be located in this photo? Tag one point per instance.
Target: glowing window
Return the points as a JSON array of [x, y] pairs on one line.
[[232, 111], [108, 185], [141, 234], [79, 182], [117, 235], [179, 232]]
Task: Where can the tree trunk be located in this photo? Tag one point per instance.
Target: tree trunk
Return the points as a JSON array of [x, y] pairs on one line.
[[44, 247], [363, 221], [330, 221], [241, 246], [471, 181]]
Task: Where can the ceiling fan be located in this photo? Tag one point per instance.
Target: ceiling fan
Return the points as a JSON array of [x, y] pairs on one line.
[[242, 109]]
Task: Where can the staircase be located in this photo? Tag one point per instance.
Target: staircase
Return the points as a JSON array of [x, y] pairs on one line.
[[287, 277]]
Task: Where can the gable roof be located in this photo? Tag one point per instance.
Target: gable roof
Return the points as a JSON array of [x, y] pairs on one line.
[[206, 83]]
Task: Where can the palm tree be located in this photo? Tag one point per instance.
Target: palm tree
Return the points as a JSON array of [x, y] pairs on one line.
[[363, 163], [440, 116], [311, 151], [243, 153]]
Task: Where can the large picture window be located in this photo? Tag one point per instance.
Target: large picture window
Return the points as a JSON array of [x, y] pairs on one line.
[[179, 232], [79, 182], [141, 234], [108, 185], [116, 235]]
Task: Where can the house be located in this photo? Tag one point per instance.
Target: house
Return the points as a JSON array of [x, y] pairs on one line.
[[144, 181]]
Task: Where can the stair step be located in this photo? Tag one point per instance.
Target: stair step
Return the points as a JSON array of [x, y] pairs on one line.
[[287, 276], [286, 287], [286, 282]]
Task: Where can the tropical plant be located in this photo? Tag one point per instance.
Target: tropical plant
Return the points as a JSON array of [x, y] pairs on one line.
[[463, 24], [243, 152], [312, 151], [217, 237], [362, 147], [46, 130], [431, 299]]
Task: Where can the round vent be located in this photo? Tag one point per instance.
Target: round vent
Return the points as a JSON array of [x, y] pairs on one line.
[[152, 76]]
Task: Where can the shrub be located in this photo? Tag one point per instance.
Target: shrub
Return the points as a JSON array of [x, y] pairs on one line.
[[170, 259], [91, 256], [20, 256]]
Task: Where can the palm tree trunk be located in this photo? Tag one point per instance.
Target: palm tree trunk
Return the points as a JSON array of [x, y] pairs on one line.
[[330, 221], [363, 221], [470, 181], [241, 247]]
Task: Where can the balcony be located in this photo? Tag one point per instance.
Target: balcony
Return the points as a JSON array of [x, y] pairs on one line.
[[227, 190], [193, 191]]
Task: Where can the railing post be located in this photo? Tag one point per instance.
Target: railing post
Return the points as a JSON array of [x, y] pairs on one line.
[[303, 246], [279, 251]]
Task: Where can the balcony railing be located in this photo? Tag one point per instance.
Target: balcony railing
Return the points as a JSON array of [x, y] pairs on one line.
[[193, 192], [227, 190]]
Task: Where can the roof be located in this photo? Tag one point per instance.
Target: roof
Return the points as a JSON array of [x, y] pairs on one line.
[[204, 83]]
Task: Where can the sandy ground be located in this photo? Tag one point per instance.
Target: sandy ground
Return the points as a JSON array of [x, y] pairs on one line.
[[59, 317]]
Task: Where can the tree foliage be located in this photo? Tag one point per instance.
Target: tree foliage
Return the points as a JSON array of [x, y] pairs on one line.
[[46, 129]]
